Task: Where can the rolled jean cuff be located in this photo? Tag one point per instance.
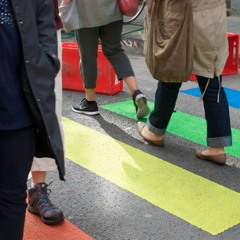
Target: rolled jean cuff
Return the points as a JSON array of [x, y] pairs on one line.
[[219, 141], [155, 130]]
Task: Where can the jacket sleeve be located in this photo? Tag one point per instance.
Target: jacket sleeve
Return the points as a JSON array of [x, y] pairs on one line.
[[47, 30]]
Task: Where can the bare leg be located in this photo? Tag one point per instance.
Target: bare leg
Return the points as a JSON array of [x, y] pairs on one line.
[[38, 176], [131, 83], [90, 94]]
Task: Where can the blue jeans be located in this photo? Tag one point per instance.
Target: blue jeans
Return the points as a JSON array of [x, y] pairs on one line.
[[216, 113]]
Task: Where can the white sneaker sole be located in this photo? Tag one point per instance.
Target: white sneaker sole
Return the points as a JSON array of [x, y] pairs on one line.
[[86, 113], [143, 109]]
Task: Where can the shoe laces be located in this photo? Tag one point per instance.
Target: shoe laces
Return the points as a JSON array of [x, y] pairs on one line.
[[43, 197]]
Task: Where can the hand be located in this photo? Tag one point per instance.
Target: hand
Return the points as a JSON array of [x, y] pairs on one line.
[[65, 2]]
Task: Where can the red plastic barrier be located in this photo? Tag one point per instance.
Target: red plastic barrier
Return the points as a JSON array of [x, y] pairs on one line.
[[107, 83], [231, 66]]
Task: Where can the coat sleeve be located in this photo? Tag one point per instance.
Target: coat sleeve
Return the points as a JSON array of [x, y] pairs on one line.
[[47, 30]]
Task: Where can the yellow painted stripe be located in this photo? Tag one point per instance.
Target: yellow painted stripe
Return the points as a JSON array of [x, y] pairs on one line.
[[202, 203]]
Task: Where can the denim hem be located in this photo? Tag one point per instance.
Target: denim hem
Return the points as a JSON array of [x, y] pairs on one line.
[[155, 130], [220, 141]]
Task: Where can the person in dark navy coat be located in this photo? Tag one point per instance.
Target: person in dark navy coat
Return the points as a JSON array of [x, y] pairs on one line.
[[28, 123]]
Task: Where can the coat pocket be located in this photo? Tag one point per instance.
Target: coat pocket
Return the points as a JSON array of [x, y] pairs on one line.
[[55, 61]]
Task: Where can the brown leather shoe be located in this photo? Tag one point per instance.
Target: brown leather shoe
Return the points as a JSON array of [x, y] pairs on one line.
[[217, 158], [149, 136]]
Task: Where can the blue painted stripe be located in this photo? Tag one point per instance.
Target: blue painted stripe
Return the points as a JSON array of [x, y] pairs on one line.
[[233, 96]]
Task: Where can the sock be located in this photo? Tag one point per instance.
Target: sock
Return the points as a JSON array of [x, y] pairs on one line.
[[136, 92], [90, 102]]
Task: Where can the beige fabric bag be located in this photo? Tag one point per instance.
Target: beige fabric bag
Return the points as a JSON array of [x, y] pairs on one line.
[[168, 40]]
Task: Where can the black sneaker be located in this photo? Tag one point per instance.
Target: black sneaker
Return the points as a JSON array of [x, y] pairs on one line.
[[140, 103], [40, 204], [85, 107]]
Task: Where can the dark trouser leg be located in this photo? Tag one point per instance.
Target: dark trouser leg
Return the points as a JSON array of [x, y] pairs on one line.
[[87, 39], [165, 100], [216, 113], [17, 149], [110, 36]]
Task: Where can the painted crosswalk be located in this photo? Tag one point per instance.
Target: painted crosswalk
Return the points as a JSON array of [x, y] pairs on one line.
[[202, 203], [233, 95], [182, 124], [36, 230], [198, 201]]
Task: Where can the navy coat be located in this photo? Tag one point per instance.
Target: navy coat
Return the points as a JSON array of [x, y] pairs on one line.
[[36, 24]]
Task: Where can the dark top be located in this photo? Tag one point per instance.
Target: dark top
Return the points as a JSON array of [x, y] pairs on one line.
[[58, 20], [14, 112]]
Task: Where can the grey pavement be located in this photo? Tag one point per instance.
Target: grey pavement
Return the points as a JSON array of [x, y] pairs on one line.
[[233, 24], [235, 4], [130, 217], [235, 8]]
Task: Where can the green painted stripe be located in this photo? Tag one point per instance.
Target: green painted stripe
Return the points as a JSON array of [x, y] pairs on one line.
[[182, 124], [202, 203]]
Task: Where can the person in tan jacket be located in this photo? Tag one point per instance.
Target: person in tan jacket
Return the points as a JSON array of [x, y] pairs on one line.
[[210, 55]]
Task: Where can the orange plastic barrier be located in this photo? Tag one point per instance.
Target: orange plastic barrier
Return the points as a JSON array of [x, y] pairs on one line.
[[107, 83]]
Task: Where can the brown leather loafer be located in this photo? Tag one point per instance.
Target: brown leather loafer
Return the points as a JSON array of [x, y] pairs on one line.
[[217, 158], [147, 137]]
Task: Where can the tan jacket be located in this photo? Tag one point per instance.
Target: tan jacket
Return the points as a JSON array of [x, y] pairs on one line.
[[210, 37]]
